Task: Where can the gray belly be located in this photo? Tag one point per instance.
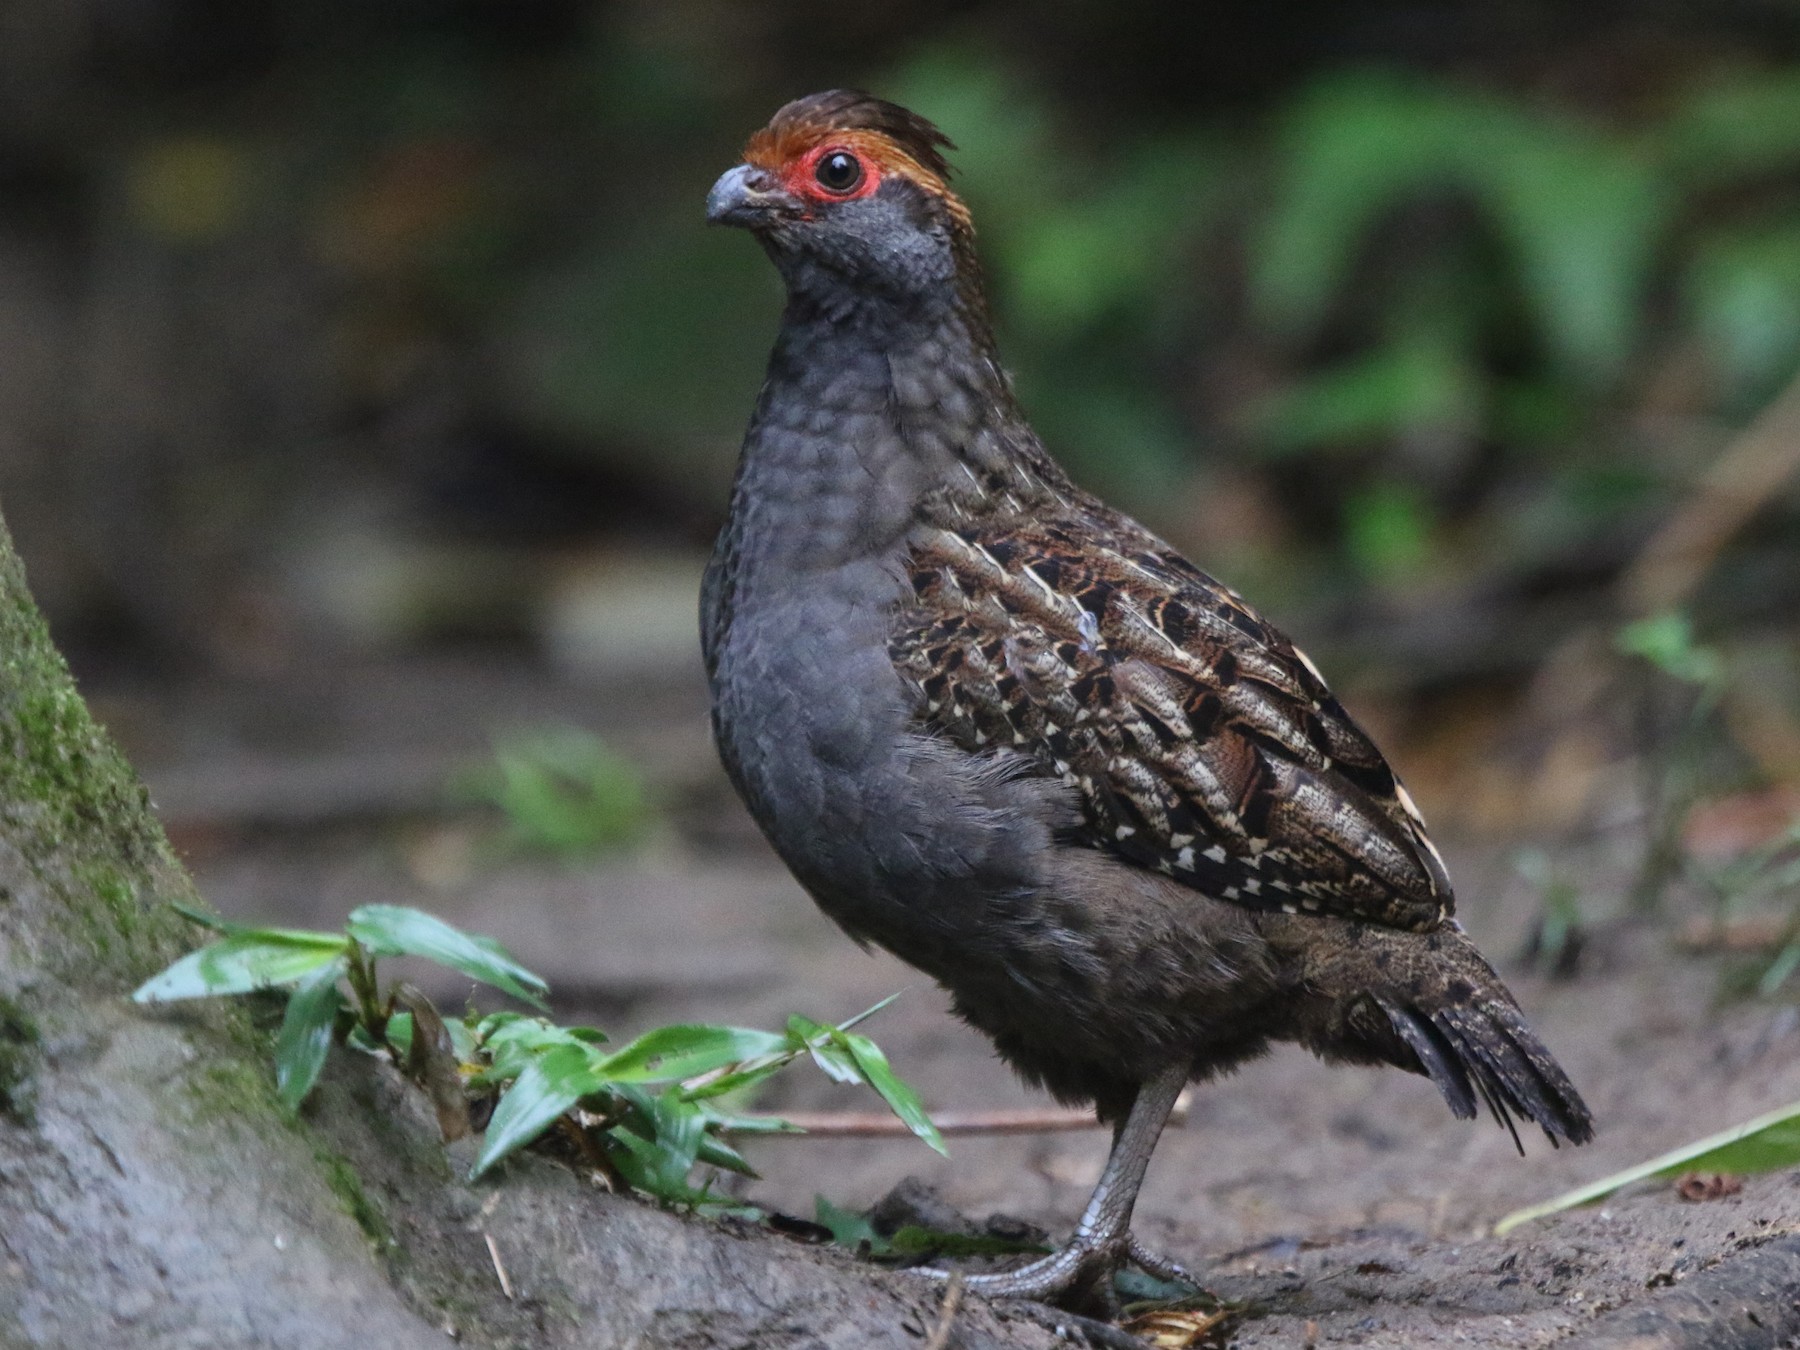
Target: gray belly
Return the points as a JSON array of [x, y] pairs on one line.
[[902, 839]]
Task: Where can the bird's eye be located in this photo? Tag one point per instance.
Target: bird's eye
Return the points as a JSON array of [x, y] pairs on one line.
[[840, 171]]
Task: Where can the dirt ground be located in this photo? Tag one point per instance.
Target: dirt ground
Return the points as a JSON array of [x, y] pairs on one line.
[[1342, 1207]]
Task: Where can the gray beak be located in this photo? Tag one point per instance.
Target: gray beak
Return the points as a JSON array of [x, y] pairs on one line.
[[746, 195]]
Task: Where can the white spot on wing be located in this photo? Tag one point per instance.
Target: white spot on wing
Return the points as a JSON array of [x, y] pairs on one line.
[[1089, 628], [1306, 661], [1406, 802]]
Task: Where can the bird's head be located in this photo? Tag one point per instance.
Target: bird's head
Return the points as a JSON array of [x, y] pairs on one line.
[[844, 187]]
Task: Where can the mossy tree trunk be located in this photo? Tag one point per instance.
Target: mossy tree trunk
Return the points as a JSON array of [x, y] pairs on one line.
[[152, 1193]]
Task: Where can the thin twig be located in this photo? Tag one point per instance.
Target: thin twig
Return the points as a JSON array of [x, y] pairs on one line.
[[1735, 486], [1750, 933], [953, 1296], [875, 1124], [499, 1267]]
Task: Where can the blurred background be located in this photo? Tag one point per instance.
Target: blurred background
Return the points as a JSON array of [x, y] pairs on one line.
[[370, 389]]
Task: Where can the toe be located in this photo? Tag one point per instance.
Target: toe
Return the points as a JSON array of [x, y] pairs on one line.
[[1155, 1263]]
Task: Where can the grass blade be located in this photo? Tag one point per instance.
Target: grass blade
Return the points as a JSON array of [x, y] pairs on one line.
[[1765, 1144], [894, 1090]]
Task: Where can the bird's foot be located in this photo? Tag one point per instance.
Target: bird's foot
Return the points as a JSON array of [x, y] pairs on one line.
[[1078, 1276]]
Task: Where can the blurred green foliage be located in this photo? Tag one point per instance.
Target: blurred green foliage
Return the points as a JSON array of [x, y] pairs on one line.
[[1434, 321], [1667, 641], [1444, 304], [561, 792]]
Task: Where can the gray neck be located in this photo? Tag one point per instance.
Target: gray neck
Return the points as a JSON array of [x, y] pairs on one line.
[[865, 414]]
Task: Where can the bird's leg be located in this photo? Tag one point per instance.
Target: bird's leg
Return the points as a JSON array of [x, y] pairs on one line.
[[1080, 1274]]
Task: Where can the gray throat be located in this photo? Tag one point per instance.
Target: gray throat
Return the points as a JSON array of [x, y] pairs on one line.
[[864, 418]]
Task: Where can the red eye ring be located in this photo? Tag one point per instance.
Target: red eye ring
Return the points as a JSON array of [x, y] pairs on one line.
[[839, 172]]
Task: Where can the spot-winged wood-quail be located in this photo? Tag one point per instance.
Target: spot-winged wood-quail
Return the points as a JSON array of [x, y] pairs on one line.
[[1005, 732]]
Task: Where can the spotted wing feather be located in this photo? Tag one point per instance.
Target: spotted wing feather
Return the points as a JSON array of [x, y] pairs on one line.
[[1202, 743]]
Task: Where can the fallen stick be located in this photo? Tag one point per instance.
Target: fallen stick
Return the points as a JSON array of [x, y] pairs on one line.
[[876, 1124], [1751, 933], [1751, 472]]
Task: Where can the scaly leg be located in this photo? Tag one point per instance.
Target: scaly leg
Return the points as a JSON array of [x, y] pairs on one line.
[[1080, 1274]]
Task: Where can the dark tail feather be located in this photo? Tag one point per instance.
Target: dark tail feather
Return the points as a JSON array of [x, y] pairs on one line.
[[1485, 1051]]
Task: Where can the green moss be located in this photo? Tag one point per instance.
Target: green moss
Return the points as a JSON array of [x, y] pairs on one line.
[[18, 1061], [348, 1187], [76, 811], [230, 1084]]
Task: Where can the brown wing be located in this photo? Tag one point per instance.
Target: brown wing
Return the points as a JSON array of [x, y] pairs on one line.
[[1203, 743]]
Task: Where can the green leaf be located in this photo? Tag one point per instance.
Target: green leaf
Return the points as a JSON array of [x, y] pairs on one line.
[[827, 1048], [680, 1130], [258, 958], [715, 1152], [512, 1041], [1387, 528], [563, 792], [1584, 214], [657, 1145], [305, 1036], [1743, 292], [848, 1228], [917, 1240], [1353, 148], [399, 1032], [1768, 1143], [1062, 263], [1418, 384], [546, 1087], [205, 920], [741, 1078], [897, 1093], [736, 1124], [1745, 125], [1667, 642], [1585, 217], [396, 930], [1131, 1285], [685, 1051]]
